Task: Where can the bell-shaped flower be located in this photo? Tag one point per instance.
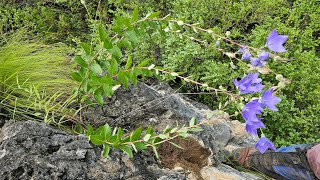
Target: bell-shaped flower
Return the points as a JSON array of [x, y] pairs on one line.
[[251, 127], [257, 62], [269, 101], [249, 84], [264, 55], [250, 111], [275, 41], [246, 56], [263, 144]]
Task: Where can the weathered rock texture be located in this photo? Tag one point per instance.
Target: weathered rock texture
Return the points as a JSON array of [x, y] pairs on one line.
[[31, 150]]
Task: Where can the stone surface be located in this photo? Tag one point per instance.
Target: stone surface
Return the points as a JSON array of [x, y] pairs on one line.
[[31, 150]]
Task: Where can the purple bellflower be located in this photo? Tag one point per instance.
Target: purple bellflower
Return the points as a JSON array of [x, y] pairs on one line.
[[263, 144], [249, 113], [249, 84], [251, 128], [269, 101], [275, 41], [257, 62], [264, 55]]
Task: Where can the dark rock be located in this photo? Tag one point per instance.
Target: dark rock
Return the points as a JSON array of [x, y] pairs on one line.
[[31, 150]]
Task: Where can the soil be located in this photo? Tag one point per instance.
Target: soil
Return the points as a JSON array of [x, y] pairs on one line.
[[192, 157]]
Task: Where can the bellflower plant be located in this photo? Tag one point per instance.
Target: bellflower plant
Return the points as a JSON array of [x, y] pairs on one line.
[[249, 84], [275, 41], [269, 101], [263, 144]]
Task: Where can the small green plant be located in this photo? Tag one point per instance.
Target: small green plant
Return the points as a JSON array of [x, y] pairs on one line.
[[138, 139]]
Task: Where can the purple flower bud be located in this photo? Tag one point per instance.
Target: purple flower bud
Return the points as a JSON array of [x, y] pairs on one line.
[[264, 55], [246, 56], [275, 41], [263, 144], [257, 62]]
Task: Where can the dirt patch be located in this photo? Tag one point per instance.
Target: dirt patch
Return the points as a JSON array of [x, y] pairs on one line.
[[192, 157]]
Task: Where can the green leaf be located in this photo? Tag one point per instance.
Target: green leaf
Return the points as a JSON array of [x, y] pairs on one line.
[[134, 147], [87, 48], [127, 150], [123, 77], [113, 68], [107, 44], [163, 136], [154, 148], [108, 90], [151, 66], [143, 63], [174, 74], [116, 52], [140, 146], [129, 62], [98, 96], [106, 132], [192, 122], [84, 85], [176, 145], [96, 68], [149, 130], [80, 61], [119, 134], [167, 129], [106, 150], [132, 36], [90, 130], [146, 137], [96, 140], [153, 15], [102, 33], [174, 130], [196, 129], [135, 135], [135, 15], [76, 76]]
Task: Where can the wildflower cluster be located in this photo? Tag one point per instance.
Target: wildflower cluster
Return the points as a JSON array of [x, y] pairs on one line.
[[250, 84]]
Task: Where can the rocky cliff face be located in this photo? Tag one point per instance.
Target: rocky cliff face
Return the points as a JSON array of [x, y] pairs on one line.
[[31, 150]]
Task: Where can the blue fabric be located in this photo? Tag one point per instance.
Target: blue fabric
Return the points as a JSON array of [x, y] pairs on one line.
[[292, 173], [291, 148]]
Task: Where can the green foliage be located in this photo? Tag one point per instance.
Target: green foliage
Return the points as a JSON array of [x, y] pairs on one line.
[[138, 140]]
